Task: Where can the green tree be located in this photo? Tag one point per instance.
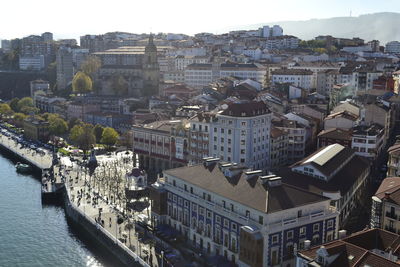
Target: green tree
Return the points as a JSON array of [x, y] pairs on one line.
[[82, 136], [19, 118], [91, 65], [72, 122], [24, 102], [14, 104], [29, 110], [58, 126], [5, 110], [98, 132], [81, 83], [109, 136]]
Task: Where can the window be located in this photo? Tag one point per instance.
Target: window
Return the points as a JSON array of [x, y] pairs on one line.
[[204, 195], [243, 151], [191, 190], [261, 220], [243, 123], [208, 197], [247, 214], [299, 213], [330, 223], [232, 207], [194, 207], [201, 211], [185, 186], [169, 195], [289, 235], [229, 131], [226, 223], [215, 130], [173, 183], [234, 226], [209, 214], [275, 239], [316, 227], [242, 142], [218, 219], [224, 203], [222, 131], [302, 230]]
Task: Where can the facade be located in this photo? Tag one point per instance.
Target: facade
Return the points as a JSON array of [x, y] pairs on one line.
[[342, 120], [385, 210], [282, 42], [33, 63], [296, 77], [368, 141], [199, 131], [373, 247], [36, 130], [380, 114], [65, 68], [394, 160], [130, 71], [296, 133], [79, 109], [240, 133], [161, 145], [393, 47], [200, 75], [279, 148], [107, 119], [334, 136], [39, 85], [333, 171], [227, 210]]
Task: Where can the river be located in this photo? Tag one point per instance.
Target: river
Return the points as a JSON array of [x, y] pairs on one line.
[[33, 235]]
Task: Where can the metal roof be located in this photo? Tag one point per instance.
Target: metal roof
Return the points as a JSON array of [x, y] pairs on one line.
[[325, 154]]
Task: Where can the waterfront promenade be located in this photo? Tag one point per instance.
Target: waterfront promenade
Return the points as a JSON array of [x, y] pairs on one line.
[[41, 160]]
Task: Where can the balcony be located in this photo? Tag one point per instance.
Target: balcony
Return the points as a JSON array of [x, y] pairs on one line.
[[391, 215]]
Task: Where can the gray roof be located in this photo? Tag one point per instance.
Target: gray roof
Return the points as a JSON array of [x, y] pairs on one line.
[[249, 192]]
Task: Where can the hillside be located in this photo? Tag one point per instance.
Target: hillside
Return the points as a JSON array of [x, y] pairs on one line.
[[376, 26]]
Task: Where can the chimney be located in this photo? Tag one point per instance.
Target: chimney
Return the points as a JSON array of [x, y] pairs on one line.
[[251, 174], [342, 234], [209, 161], [307, 244], [264, 179]]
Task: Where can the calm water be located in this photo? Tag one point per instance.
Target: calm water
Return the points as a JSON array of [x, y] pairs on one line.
[[32, 235]]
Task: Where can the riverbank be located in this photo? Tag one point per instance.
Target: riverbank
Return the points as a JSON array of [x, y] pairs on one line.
[[79, 217]]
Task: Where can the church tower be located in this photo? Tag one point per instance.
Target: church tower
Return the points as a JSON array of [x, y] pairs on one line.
[[151, 69]]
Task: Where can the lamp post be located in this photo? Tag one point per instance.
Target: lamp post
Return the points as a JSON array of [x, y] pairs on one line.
[[162, 258]]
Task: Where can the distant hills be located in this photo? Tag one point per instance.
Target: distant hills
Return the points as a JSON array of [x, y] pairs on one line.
[[383, 26]]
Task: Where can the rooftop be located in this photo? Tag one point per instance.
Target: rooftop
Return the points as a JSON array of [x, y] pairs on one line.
[[390, 190], [251, 192], [359, 249], [336, 133]]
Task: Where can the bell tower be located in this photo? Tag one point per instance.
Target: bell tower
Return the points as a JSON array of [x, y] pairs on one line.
[[151, 69]]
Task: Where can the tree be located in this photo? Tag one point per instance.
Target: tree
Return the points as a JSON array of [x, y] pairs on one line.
[[24, 102], [82, 136], [98, 132], [14, 104], [5, 110], [19, 118], [81, 83], [58, 126], [91, 65], [29, 110], [72, 122], [120, 85], [109, 136]]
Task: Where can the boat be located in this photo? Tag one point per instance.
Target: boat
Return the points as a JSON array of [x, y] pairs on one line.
[[23, 167]]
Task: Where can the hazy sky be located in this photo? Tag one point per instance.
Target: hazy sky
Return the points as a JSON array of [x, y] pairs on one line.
[[72, 18]]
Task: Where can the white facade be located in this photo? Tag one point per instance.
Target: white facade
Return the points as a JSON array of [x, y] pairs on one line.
[[242, 140], [276, 31], [282, 42], [301, 80], [31, 62], [393, 47]]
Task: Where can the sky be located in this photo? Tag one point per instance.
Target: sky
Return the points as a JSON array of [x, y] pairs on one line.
[[73, 18]]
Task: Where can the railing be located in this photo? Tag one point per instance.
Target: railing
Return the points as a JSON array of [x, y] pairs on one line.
[[108, 234], [391, 215]]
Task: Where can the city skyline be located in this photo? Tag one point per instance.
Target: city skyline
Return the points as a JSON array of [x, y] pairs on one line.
[[172, 16]]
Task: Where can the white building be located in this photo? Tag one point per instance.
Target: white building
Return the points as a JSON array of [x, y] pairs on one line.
[[240, 133], [297, 77], [252, 220], [36, 63], [368, 141], [276, 31], [393, 47], [282, 42]]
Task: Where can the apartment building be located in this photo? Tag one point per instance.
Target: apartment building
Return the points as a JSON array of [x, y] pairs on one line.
[[228, 210], [296, 77], [368, 141]]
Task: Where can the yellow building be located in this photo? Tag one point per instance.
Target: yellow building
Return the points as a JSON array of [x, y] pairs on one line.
[[35, 129]]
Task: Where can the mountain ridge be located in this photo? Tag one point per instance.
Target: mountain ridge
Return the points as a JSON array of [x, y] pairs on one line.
[[381, 26]]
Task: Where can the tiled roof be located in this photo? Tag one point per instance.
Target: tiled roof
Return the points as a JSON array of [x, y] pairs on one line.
[[336, 133], [356, 250], [344, 114], [390, 189], [246, 109], [249, 192], [340, 182]]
